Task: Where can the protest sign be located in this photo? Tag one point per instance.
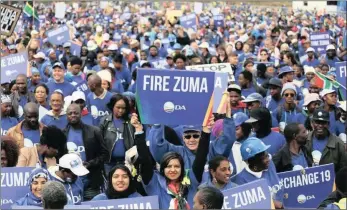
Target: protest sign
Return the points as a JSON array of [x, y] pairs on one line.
[[147, 202], [9, 18], [76, 48], [60, 8], [59, 36], [204, 20], [13, 184], [198, 7], [171, 97], [220, 86], [344, 41], [159, 64], [218, 21], [188, 21], [341, 74], [12, 65], [308, 187], [319, 41], [218, 67], [253, 195]]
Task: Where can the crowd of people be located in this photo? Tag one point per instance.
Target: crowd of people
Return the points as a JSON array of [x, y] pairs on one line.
[[75, 119]]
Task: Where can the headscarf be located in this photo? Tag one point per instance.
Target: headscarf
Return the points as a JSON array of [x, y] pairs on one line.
[[32, 200], [111, 193]]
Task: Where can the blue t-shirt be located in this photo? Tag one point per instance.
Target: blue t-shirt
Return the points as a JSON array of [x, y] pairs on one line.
[[83, 86], [7, 123], [248, 91], [299, 159], [117, 86], [74, 191], [319, 144], [60, 122], [65, 87], [119, 147], [22, 101], [75, 142], [31, 137], [276, 140], [88, 119], [98, 107]]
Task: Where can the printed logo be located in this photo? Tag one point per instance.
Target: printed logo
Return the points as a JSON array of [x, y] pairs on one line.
[[302, 198], [72, 147], [10, 72], [170, 107], [28, 143]]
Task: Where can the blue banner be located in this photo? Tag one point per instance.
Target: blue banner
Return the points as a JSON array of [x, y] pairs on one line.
[[170, 97], [218, 21], [76, 48], [253, 195], [59, 36], [188, 21], [13, 185], [12, 65], [344, 41], [319, 41], [147, 202], [204, 21], [307, 188], [341, 75]]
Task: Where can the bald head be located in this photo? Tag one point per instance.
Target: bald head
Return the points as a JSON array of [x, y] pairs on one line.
[[31, 107], [94, 82], [31, 116]]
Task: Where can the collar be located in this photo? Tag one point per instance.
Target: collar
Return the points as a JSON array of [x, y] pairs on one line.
[[102, 96], [331, 140], [256, 174], [50, 113]]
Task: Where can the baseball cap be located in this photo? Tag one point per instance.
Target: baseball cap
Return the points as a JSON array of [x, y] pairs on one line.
[[57, 64], [310, 49], [239, 118], [106, 37], [112, 47], [326, 91], [40, 55], [309, 69], [234, 87], [330, 47], [288, 86], [311, 97], [67, 44], [342, 105], [320, 114], [73, 162], [146, 34], [255, 116], [191, 128], [78, 95], [253, 97]]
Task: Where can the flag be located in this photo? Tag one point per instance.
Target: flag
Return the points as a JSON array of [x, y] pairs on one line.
[[30, 11], [323, 82]]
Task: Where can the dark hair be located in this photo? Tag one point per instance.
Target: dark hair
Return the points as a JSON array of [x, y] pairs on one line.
[[111, 193], [153, 46], [165, 161], [44, 86], [146, 64], [12, 150], [13, 82], [117, 97], [118, 59], [214, 163], [247, 75], [74, 60], [210, 197], [218, 60], [246, 128], [241, 45], [247, 62], [291, 56], [53, 137], [261, 69], [324, 65], [59, 93], [340, 180], [290, 131], [179, 56], [112, 71]]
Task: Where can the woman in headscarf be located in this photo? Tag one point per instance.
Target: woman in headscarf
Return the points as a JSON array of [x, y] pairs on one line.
[[36, 180], [121, 184]]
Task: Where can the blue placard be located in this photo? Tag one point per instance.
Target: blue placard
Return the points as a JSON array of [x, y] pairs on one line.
[[341, 75], [76, 48], [59, 36], [188, 21], [344, 41], [13, 185], [218, 21], [147, 202], [319, 41], [253, 195], [12, 65], [307, 188], [204, 21], [170, 97], [220, 86]]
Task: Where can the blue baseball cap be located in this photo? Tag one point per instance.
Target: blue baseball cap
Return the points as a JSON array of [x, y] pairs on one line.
[[285, 69], [239, 118], [191, 128], [253, 97]]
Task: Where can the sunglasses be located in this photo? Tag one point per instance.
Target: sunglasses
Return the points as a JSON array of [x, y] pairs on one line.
[[195, 136], [289, 94]]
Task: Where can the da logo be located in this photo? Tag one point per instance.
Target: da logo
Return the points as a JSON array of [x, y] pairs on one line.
[[28, 143], [170, 107], [97, 113], [302, 198], [72, 147]]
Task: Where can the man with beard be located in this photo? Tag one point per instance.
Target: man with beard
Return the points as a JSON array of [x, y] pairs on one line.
[[27, 133], [52, 145], [87, 141], [331, 57], [293, 154], [324, 146]]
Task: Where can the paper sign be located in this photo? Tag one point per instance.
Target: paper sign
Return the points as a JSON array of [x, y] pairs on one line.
[[307, 188], [159, 64], [76, 48], [59, 36], [147, 202], [170, 97], [12, 65], [218, 20], [253, 195], [220, 86], [198, 7], [215, 11], [60, 8], [13, 185], [319, 41], [204, 21], [9, 18], [188, 21], [103, 4], [173, 13], [218, 67], [341, 74]]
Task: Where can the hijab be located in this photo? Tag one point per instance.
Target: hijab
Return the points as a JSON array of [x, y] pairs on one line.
[[111, 193], [36, 173]]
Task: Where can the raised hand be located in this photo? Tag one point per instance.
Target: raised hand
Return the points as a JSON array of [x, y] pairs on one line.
[[208, 127]]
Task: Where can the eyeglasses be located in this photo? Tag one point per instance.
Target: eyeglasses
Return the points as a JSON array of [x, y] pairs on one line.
[[289, 94], [195, 136]]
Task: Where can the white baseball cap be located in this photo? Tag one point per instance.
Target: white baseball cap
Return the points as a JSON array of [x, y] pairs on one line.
[[309, 69], [330, 47], [342, 105], [112, 47], [310, 49], [106, 37], [73, 162], [77, 95], [98, 29], [40, 55], [326, 91]]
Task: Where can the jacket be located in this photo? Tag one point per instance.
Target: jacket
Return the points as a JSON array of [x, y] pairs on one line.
[[283, 159], [29, 157], [17, 133], [96, 152], [109, 134], [333, 197], [15, 101], [334, 151]]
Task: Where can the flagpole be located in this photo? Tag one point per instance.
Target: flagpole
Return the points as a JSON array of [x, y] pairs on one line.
[[34, 14]]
